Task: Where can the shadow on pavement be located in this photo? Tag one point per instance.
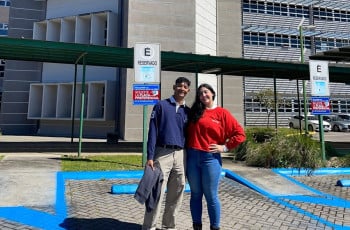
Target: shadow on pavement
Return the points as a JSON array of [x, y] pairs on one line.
[[98, 224]]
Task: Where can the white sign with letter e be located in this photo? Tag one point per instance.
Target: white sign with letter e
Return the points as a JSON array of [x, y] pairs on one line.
[[319, 78], [147, 62]]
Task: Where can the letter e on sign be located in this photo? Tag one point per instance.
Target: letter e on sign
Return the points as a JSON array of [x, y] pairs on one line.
[[319, 68], [147, 52]]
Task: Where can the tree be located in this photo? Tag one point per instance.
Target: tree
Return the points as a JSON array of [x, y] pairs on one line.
[[266, 98]]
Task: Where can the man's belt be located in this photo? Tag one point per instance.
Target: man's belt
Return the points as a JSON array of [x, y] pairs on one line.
[[175, 147]]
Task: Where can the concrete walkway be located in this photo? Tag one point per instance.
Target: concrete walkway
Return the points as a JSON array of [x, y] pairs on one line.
[[265, 179], [28, 179]]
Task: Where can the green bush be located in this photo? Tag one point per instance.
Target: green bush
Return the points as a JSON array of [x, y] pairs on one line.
[[287, 149], [253, 137]]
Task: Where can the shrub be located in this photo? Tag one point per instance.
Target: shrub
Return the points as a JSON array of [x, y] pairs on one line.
[[285, 150], [253, 137]]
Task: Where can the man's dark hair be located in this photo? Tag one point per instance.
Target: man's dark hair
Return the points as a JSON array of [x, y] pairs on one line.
[[182, 80]]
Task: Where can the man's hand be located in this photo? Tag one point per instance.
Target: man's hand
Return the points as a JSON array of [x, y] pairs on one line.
[[150, 163]]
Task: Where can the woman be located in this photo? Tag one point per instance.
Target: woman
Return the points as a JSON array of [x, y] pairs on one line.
[[211, 131]]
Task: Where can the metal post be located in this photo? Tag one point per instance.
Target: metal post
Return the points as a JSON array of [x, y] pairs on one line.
[[321, 134], [222, 90], [299, 108], [304, 83], [144, 146], [74, 93], [276, 107], [73, 106], [82, 105]]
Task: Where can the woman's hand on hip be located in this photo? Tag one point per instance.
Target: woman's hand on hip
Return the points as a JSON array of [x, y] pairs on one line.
[[215, 148]]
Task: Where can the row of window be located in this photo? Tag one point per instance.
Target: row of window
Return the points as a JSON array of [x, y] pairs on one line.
[[292, 106], [4, 26], [3, 32], [275, 8], [285, 9], [5, 3], [291, 41], [2, 68]]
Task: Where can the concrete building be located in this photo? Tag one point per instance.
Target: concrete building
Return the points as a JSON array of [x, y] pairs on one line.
[[4, 18], [37, 97], [271, 32]]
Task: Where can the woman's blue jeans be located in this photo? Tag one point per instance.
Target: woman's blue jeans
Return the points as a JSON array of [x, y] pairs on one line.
[[203, 174]]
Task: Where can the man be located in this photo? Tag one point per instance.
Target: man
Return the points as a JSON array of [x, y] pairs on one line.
[[166, 141]]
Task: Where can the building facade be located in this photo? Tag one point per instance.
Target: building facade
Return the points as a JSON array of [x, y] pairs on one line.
[[38, 97], [4, 18], [271, 31]]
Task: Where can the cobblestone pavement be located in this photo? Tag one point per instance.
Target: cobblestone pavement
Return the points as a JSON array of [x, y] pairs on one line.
[[90, 205], [242, 208]]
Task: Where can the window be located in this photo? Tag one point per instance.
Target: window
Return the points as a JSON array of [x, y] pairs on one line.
[[269, 8], [254, 38], [2, 68], [262, 39], [294, 41], [285, 40], [334, 106], [278, 40], [246, 38], [292, 11], [284, 9], [261, 7], [5, 3], [246, 7]]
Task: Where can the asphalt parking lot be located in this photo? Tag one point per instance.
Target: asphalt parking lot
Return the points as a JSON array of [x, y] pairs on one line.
[[335, 136]]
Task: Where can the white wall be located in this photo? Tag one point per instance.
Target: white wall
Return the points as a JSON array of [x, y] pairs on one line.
[[62, 8], [206, 27], [206, 37]]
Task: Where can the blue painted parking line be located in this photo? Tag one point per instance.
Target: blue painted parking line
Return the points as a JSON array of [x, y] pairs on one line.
[[31, 217], [43, 220], [321, 198], [281, 200], [50, 221]]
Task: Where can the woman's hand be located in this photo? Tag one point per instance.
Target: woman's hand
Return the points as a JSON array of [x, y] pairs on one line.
[[215, 148]]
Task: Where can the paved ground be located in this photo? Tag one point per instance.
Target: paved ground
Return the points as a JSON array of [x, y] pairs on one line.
[[33, 195]]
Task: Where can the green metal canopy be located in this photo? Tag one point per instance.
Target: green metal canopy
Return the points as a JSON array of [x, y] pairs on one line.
[[341, 54], [70, 53]]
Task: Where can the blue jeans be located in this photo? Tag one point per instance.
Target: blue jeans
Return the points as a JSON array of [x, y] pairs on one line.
[[203, 174]]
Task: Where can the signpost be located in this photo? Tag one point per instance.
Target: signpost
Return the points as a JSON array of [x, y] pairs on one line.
[[147, 70], [319, 79]]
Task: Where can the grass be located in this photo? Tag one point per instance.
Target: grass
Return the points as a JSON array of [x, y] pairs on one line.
[[1, 156], [101, 163]]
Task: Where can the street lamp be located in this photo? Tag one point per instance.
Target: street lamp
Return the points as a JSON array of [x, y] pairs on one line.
[[301, 35]]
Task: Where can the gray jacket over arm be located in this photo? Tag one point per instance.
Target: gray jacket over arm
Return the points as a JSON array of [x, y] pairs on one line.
[[148, 190]]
